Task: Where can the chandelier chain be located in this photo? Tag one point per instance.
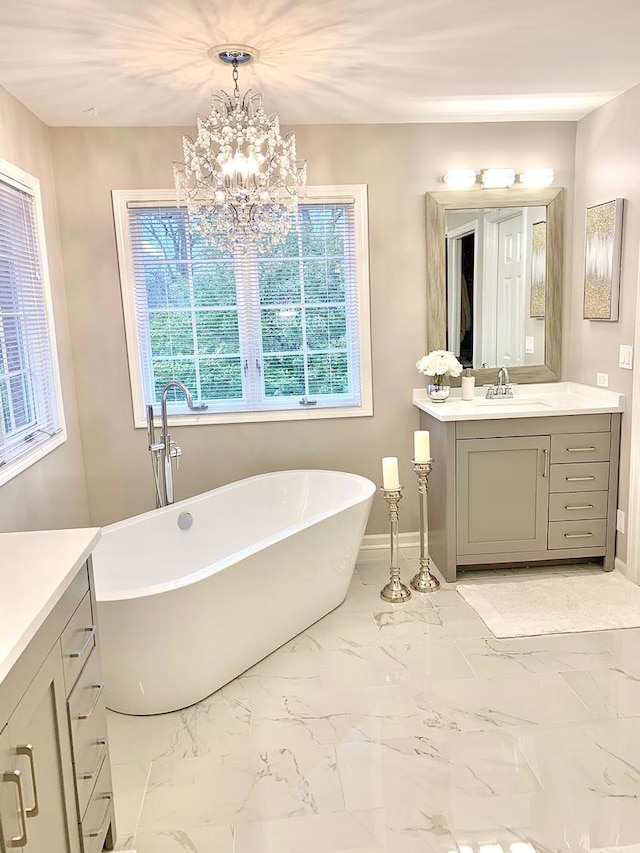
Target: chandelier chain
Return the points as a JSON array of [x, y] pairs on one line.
[[236, 90]]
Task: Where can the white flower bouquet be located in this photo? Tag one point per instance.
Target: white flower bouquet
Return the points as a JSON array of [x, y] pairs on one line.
[[439, 362]]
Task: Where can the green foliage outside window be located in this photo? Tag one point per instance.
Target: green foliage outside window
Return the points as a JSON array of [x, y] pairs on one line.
[[194, 311]]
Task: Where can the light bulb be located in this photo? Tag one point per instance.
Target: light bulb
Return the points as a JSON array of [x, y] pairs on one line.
[[460, 178], [493, 179]]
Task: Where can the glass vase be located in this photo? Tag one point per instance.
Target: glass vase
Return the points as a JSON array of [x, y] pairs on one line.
[[438, 387]]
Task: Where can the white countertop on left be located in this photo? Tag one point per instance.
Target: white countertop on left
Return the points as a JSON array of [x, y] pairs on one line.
[[35, 569]]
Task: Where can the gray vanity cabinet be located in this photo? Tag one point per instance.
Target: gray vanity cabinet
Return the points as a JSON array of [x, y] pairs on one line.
[[55, 778], [503, 489], [522, 490], [40, 752]]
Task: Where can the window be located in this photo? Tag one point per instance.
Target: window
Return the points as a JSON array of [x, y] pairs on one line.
[[31, 416], [275, 336]]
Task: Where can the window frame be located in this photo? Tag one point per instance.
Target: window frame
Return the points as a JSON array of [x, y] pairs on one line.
[[27, 183], [356, 193]]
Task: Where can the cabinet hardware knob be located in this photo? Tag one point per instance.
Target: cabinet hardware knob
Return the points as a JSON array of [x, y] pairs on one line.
[[545, 462], [91, 774], [27, 751], [91, 632], [94, 833], [99, 687], [19, 840]]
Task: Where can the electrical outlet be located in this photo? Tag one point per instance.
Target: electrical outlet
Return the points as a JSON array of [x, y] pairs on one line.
[[626, 357], [602, 380], [529, 345], [620, 521]]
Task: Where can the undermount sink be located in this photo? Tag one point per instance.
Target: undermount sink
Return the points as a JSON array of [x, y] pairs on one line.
[[514, 401]]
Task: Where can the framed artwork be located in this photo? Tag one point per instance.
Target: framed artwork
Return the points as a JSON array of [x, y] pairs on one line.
[[538, 269], [603, 250]]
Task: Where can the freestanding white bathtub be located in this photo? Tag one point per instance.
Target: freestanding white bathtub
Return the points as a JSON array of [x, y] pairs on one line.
[[182, 612]]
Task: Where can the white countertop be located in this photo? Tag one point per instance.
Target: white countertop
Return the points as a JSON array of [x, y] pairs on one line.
[[35, 570], [550, 399]]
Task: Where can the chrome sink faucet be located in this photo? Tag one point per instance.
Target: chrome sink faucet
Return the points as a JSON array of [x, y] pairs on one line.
[[502, 388], [165, 450], [503, 382]]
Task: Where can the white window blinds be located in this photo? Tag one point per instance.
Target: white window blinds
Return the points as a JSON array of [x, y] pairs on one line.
[[251, 332], [29, 415]]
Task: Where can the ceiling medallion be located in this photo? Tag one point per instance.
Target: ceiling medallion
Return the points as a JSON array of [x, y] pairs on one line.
[[240, 179]]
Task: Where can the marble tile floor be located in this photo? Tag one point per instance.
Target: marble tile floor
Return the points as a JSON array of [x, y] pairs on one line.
[[406, 729]]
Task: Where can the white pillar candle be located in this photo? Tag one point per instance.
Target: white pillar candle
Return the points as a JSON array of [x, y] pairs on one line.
[[421, 446], [390, 474]]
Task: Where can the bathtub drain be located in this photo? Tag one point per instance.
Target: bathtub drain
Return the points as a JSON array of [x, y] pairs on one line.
[[185, 520]]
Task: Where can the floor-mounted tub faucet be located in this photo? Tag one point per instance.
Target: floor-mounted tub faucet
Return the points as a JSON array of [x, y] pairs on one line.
[[163, 452]]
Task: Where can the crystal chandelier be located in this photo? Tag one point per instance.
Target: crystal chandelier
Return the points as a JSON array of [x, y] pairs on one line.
[[240, 180]]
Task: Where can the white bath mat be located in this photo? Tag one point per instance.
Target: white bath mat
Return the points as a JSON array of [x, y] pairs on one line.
[[562, 605]]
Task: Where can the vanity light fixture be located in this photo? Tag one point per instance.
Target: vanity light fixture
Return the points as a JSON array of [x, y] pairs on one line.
[[537, 177], [460, 179], [240, 180], [495, 179]]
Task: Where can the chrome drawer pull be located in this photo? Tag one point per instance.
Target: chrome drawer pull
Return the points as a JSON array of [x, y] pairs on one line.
[[20, 840], [580, 449], [94, 833], [545, 462], [27, 751], [578, 479], [577, 535], [91, 629], [584, 506], [99, 687], [93, 773]]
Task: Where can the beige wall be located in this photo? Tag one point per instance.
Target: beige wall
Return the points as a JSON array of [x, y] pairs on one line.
[[51, 493], [607, 167], [398, 163]]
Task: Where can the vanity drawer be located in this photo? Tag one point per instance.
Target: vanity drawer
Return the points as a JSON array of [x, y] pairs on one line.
[[88, 764], [590, 533], [579, 477], [88, 717], [99, 813], [581, 447], [569, 506], [78, 639]]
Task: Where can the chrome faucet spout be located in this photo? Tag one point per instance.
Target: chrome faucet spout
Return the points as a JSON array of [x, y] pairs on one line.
[[163, 409], [170, 448], [165, 450], [503, 377]]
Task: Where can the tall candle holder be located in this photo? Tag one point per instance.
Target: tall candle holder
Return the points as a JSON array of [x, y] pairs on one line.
[[395, 591], [424, 581]]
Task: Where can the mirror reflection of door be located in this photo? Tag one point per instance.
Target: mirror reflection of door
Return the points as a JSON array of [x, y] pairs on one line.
[[490, 262], [461, 275]]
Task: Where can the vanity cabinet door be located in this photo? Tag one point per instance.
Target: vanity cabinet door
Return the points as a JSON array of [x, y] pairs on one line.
[[502, 494], [39, 810]]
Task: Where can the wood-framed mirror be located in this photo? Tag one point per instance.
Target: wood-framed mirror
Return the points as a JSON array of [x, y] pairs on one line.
[[494, 280]]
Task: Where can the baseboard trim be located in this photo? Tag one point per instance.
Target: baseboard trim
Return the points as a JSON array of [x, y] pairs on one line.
[[620, 566], [380, 541]]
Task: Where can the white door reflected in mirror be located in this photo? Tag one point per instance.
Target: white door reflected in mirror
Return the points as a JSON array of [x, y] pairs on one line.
[[496, 261]]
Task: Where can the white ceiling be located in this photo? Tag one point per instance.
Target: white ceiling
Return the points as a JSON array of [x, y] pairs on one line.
[[144, 62]]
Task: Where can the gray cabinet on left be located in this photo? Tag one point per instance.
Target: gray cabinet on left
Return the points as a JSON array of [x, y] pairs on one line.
[[55, 776]]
